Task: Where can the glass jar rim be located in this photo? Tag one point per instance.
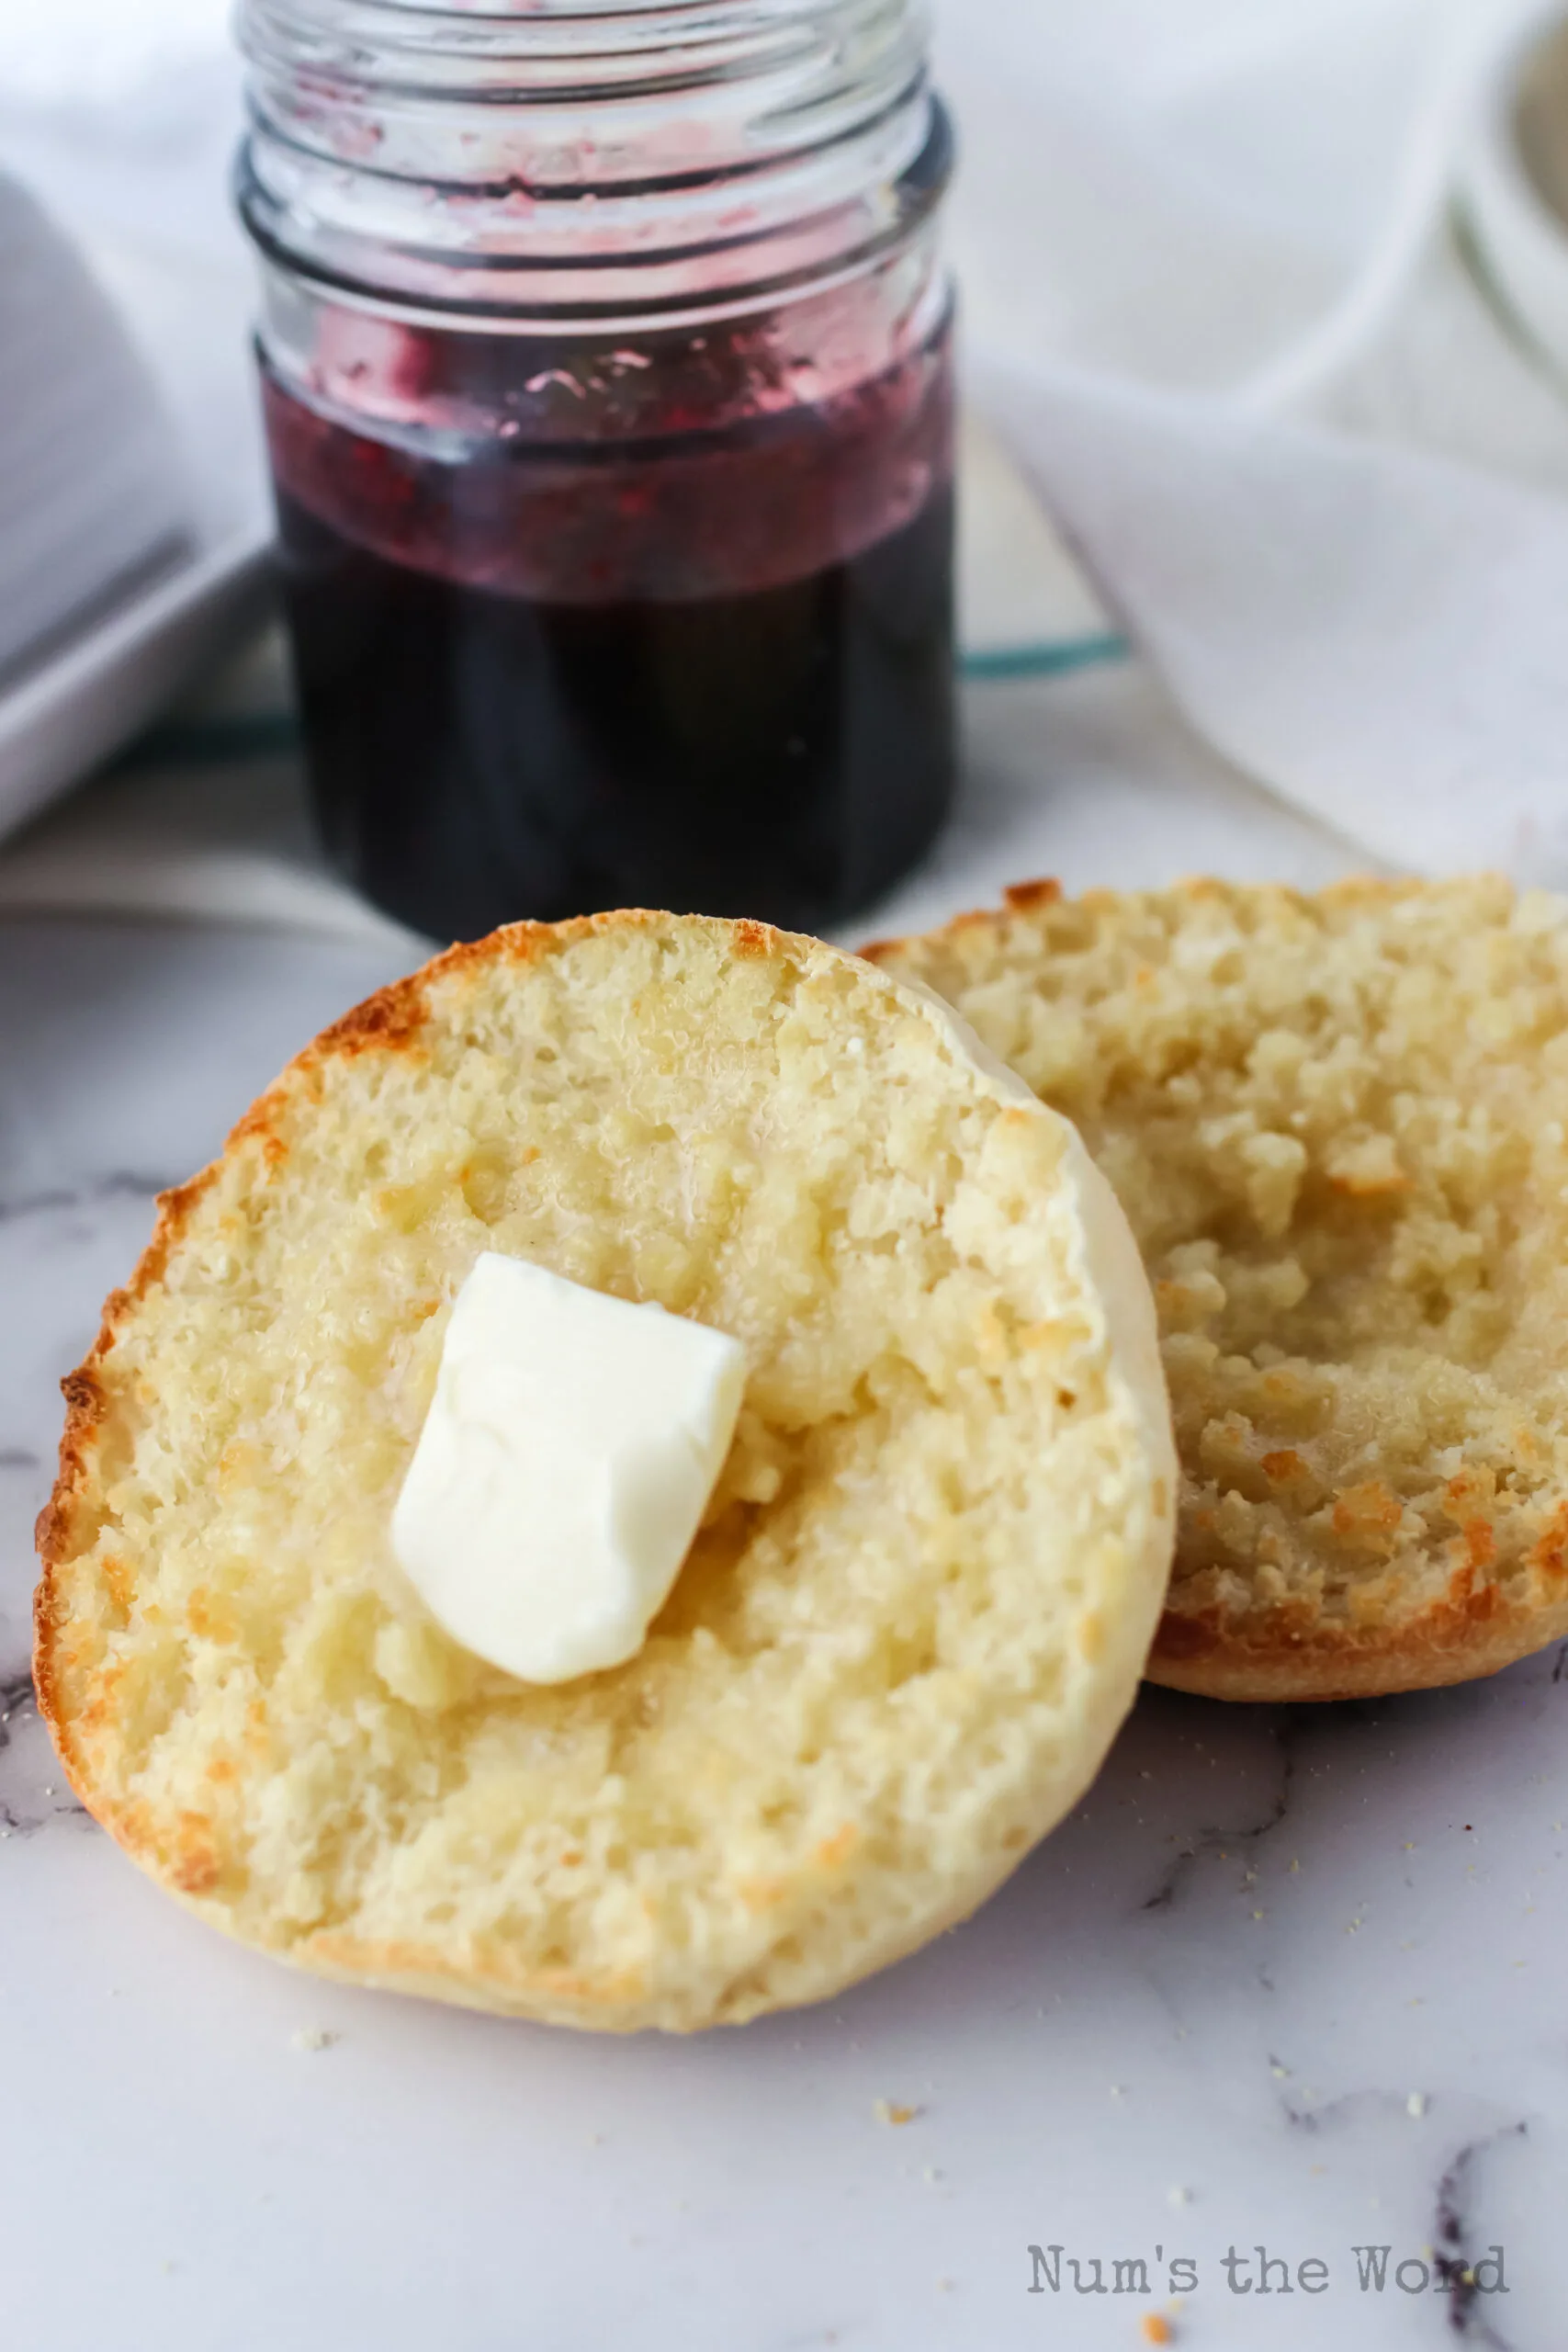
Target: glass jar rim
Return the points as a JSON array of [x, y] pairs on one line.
[[369, 41], [798, 141], [602, 293]]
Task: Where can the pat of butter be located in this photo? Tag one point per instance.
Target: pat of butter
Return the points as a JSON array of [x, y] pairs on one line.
[[563, 1470]]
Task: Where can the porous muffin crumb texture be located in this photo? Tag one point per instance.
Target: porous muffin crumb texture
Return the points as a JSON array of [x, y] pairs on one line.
[[1339, 1127], [919, 1601]]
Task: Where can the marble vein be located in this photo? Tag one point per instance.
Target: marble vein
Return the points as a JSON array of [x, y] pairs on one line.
[[1215, 1842], [120, 1185], [27, 1808], [1456, 2246], [15, 1694]]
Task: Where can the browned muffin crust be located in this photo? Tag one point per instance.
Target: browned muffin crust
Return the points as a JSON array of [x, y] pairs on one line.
[[1337, 1123]]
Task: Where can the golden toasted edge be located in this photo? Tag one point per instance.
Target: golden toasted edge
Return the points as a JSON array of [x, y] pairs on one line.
[[388, 1021], [1034, 896], [487, 1978], [1427, 1651], [1209, 1652]]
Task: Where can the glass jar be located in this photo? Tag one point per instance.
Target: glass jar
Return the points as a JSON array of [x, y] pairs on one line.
[[606, 356]]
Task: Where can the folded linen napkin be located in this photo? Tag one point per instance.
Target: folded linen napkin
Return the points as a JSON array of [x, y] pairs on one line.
[[1219, 312]]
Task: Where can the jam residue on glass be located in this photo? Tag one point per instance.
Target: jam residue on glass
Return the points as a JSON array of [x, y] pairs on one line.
[[699, 656]]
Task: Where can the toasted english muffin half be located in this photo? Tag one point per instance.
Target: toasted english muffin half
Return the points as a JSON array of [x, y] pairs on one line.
[[1339, 1127], [920, 1601]]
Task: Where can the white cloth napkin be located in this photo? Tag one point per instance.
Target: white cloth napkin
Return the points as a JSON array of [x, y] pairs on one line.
[[1217, 309]]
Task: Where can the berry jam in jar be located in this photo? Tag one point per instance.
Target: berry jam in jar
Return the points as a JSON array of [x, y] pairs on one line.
[[609, 399]]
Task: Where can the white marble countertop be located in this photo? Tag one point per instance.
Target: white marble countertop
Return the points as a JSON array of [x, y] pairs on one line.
[[1290, 1978]]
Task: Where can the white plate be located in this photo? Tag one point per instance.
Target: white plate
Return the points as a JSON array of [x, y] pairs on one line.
[[68, 716], [75, 709]]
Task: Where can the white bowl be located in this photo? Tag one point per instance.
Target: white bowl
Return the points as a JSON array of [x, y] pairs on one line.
[[134, 529], [1520, 237]]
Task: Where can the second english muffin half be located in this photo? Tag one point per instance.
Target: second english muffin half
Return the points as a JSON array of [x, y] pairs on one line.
[[1339, 1127], [920, 1603]]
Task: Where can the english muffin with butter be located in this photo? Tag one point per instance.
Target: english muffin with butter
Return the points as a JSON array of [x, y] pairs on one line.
[[1339, 1125], [632, 1494]]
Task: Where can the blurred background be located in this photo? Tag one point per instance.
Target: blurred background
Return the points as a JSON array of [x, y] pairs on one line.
[[1266, 319]]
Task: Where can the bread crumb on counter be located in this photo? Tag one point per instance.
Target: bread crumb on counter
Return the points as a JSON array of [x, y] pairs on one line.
[[315, 2037]]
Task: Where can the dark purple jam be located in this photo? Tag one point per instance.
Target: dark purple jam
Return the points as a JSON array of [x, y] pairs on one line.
[[705, 670]]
